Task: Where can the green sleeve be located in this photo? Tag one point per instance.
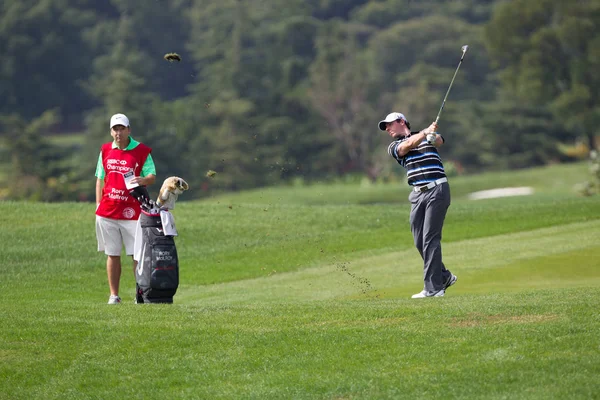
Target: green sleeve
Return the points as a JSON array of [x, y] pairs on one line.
[[99, 168], [149, 168]]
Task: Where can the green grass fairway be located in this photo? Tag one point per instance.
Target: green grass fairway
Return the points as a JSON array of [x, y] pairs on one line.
[[304, 293]]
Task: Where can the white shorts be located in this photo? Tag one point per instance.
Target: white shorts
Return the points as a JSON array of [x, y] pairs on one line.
[[112, 234]]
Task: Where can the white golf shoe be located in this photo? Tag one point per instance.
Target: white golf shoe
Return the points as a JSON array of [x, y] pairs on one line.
[[423, 293], [451, 281], [114, 299]]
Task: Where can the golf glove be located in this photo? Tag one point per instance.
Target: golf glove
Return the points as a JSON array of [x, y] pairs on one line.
[[431, 138]]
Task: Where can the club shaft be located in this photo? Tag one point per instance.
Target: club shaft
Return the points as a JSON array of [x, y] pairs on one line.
[[450, 87]]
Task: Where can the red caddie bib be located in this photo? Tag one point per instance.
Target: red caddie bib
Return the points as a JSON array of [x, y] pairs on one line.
[[116, 202]]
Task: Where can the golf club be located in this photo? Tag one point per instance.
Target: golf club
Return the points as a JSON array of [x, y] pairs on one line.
[[464, 50]]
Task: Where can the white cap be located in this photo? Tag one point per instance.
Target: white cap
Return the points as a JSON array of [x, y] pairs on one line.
[[119, 119], [391, 117]]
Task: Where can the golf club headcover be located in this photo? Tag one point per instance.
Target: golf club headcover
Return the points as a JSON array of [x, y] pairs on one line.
[[140, 193], [170, 190]]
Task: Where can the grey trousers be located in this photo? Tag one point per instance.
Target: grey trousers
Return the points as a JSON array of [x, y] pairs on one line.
[[427, 214]]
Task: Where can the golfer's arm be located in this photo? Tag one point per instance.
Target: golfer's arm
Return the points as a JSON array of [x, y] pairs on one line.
[[99, 187], [410, 143]]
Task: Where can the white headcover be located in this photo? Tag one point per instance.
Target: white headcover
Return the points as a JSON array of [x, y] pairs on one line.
[[170, 190]]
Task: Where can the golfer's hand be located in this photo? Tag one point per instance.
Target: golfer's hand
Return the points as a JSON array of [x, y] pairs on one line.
[[430, 129]]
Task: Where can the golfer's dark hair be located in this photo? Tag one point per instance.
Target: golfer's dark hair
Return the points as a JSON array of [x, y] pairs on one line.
[[405, 121]]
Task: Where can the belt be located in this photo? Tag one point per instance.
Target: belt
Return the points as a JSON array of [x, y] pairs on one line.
[[430, 185]]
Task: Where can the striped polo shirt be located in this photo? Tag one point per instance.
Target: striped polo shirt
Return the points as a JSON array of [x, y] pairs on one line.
[[423, 163]]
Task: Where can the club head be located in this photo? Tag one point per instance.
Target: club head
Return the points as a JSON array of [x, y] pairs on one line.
[[140, 193], [465, 48]]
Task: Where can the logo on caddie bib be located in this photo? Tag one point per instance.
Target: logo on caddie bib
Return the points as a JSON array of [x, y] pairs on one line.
[[128, 213]]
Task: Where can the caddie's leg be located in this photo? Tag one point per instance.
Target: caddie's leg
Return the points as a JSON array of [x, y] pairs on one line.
[[113, 270], [129, 231], [438, 201]]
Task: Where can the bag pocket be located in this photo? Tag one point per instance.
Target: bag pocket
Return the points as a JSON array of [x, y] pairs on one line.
[[165, 266]]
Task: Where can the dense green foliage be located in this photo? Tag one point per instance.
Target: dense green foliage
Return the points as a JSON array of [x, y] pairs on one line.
[[310, 299], [269, 91]]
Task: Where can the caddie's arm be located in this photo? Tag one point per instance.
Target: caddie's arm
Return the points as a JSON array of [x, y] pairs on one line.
[[148, 175], [144, 180], [99, 187], [415, 140], [99, 180]]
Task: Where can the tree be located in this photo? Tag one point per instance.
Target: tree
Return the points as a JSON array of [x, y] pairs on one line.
[[38, 170], [391, 12], [119, 85], [503, 134], [44, 59], [413, 62], [257, 58], [548, 53], [339, 93]]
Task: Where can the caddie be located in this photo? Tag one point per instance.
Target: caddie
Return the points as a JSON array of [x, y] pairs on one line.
[[122, 165]]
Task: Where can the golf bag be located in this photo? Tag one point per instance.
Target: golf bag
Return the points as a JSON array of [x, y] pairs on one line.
[[157, 272]]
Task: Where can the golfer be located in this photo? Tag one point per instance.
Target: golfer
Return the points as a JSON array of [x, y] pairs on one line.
[[122, 164], [429, 198]]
